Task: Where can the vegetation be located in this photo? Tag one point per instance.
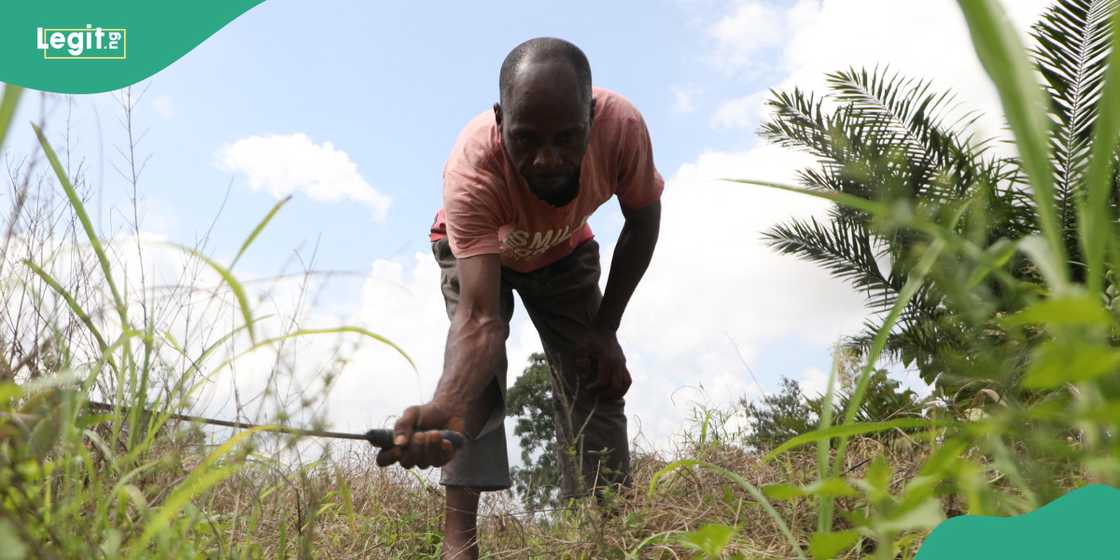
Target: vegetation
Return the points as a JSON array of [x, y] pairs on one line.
[[879, 135], [1000, 287], [530, 401]]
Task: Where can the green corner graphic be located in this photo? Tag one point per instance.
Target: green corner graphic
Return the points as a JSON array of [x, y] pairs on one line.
[[1084, 524], [90, 46]]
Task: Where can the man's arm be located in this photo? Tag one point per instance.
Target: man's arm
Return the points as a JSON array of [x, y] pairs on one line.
[[629, 264], [476, 339], [631, 258], [475, 346]]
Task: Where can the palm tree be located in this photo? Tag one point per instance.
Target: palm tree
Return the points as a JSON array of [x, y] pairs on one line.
[[879, 135]]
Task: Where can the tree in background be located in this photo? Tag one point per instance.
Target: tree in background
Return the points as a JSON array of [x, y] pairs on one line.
[[780, 416], [530, 401], [880, 136]]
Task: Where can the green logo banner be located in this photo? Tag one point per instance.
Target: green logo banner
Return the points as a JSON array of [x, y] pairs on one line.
[[91, 46], [1081, 524]]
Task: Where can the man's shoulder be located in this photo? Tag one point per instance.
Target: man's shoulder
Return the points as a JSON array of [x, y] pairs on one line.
[[478, 142], [611, 105]]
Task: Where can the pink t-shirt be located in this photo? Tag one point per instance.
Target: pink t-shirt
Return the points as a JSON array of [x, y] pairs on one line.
[[488, 208]]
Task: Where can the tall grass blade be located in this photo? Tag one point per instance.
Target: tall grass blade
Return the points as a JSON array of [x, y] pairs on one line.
[[855, 429], [200, 480], [87, 225], [1004, 57], [824, 514], [849, 200], [227, 277], [914, 281], [742, 483], [257, 230], [311, 332], [8, 104], [72, 303]]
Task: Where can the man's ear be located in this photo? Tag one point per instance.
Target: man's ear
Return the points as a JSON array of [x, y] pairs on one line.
[[498, 114]]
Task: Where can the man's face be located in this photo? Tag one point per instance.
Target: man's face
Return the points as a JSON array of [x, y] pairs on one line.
[[545, 127]]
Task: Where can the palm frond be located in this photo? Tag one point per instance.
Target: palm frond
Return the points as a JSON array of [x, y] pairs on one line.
[[1072, 47], [846, 249]]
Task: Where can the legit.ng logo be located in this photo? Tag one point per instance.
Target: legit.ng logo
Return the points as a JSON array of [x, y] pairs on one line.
[[88, 43]]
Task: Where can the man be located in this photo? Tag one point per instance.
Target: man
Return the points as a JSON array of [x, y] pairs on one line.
[[519, 186]]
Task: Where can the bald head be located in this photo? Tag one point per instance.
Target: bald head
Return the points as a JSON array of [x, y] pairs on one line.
[[564, 59], [545, 115]]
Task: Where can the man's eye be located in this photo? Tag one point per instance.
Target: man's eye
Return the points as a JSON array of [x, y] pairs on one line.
[[569, 138]]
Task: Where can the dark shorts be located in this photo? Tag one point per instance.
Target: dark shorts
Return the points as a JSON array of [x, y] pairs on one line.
[[562, 300]]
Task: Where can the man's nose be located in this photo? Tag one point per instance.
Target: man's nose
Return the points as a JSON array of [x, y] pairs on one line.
[[548, 157]]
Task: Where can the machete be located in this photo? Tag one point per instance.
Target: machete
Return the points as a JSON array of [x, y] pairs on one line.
[[377, 437]]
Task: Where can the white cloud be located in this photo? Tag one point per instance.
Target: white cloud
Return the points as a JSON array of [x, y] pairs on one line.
[[713, 280], [813, 382], [284, 164], [753, 26], [715, 299], [740, 112], [716, 296], [918, 38]]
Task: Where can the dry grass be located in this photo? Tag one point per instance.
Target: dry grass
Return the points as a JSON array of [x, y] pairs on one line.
[[346, 507]]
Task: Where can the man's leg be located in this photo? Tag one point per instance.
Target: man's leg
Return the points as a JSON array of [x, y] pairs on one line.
[[460, 526], [481, 464], [476, 470], [562, 300]]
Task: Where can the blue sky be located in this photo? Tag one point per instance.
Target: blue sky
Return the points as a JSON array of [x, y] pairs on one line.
[[388, 86]]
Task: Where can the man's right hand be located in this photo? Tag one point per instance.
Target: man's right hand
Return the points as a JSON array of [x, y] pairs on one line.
[[417, 439]]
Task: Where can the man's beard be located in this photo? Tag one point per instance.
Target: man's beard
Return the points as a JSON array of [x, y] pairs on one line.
[[559, 195]]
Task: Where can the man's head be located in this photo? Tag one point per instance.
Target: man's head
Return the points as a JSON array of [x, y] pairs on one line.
[[544, 115]]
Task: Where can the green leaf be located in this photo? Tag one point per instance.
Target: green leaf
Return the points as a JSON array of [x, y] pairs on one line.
[[202, 478], [234, 286], [830, 488], [709, 539], [1061, 361], [8, 106], [1003, 56], [737, 479], [9, 391], [825, 546], [844, 199], [111, 546], [46, 433], [87, 225], [926, 516], [313, 332], [994, 257], [915, 280], [855, 429], [257, 230], [1053, 270], [1066, 310], [879, 475], [11, 547], [72, 303], [782, 492]]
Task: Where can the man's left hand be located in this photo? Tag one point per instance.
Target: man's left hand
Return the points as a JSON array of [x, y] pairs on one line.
[[606, 365]]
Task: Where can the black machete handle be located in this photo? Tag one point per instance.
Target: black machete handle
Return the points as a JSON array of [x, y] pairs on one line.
[[384, 438]]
